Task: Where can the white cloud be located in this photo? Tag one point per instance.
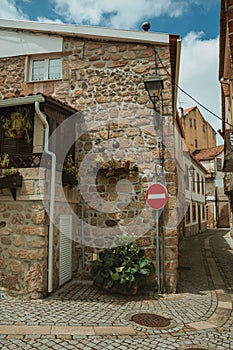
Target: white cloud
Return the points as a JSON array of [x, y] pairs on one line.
[[48, 20], [116, 13], [199, 75], [10, 10]]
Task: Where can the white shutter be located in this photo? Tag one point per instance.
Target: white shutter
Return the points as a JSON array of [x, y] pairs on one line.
[[65, 266]]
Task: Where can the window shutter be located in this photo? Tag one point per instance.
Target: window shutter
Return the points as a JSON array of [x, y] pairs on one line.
[[65, 265]]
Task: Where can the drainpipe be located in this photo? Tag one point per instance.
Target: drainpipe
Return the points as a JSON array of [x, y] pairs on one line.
[[52, 194]]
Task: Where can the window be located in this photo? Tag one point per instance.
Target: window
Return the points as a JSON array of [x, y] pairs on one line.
[[187, 217], [196, 144], [195, 123], [203, 212], [194, 213], [202, 186], [231, 140], [219, 164], [186, 177], [204, 128], [198, 183], [14, 146], [190, 122], [193, 181], [46, 69]]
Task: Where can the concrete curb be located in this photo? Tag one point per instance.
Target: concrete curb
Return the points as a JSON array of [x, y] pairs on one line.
[[66, 330], [224, 306]]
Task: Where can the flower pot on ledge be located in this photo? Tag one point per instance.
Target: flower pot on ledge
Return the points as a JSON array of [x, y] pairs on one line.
[[12, 182], [69, 179]]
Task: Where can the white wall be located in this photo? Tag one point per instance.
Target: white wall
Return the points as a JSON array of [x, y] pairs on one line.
[[19, 43]]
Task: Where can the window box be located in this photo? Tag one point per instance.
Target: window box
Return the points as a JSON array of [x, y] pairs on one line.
[[12, 182], [69, 179]]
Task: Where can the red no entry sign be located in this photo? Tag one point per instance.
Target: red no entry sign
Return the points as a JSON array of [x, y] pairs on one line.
[[156, 196]]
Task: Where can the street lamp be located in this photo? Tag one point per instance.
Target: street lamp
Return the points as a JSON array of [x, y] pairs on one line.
[[154, 87]]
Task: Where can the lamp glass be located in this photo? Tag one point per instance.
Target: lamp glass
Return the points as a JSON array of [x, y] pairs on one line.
[[154, 86]]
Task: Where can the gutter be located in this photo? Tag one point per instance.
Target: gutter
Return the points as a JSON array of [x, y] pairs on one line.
[[88, 32], [43, 119]]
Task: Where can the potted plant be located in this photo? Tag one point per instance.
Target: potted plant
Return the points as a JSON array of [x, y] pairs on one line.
[[18, 124], [9, 177], [69, 172], [115, 167], [121, 269]]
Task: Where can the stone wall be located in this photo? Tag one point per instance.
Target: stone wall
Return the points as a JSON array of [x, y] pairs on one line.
[[99, 78], [24, 240], [24, 237]]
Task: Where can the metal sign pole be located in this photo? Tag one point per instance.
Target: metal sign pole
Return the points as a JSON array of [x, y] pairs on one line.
[[157, 250]]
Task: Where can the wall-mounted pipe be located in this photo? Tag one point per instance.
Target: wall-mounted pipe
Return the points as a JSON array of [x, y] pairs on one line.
[[43, 119]]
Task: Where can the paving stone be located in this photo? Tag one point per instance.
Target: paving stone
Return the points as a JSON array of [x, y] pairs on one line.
[[78, 308]]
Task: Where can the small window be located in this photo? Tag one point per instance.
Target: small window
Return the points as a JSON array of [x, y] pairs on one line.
[[195, 123], [186, 177], [198, 183], [196, 144], [219, 164], [194, 213], [204, 128], [54, 71], [231, 140], [46, 69], [38, 68], [187, 217], [203, 212], [202, 186], [190, 122], [193, 181]]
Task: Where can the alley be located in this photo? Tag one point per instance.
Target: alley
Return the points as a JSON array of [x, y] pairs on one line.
[[82, 317]]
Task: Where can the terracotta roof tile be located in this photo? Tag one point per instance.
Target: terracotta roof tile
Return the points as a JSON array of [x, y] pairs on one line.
[[208, 153], [189, 109]]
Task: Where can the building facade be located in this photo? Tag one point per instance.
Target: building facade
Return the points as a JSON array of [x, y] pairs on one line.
[[199, 133], [217, 203], [225, 78], [195, 187], [100, 73]]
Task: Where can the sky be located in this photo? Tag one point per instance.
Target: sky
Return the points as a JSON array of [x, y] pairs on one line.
[[196, 21]]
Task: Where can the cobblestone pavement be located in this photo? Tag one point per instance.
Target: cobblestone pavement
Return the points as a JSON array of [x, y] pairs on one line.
[[81, 317]]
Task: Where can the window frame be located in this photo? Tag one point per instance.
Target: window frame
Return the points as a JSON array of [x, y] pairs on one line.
[[219, 164], [46, 59], [194, 212]]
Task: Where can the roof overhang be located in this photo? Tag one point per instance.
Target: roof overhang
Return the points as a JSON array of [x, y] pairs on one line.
[[85, 31], [29, 100]]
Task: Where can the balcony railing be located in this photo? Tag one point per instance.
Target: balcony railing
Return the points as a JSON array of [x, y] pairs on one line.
[[25, 160]]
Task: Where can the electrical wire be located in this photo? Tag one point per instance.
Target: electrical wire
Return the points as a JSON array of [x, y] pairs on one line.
[[186, 93]]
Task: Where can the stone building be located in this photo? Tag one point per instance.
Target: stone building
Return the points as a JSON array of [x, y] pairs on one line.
[[217, 203], [199, 133], [225, 78], [100, 73], [195, 191]]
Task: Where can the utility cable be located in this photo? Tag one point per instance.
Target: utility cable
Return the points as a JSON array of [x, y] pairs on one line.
[[186, 93]]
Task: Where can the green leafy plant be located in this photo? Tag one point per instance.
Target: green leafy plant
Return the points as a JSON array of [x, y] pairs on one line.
[[123, 268], [4, 166], [18, 124], [70, 172], [112, 165], [4, 160], [69, 165]]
